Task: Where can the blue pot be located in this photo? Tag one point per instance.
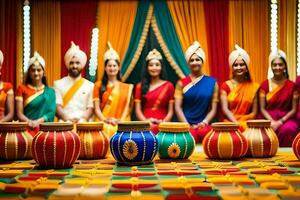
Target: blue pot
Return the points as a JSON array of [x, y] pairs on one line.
[[133, 143]]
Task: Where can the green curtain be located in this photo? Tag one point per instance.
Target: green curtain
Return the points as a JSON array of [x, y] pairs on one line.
[[168, 32], [150, 44], [138, 26]]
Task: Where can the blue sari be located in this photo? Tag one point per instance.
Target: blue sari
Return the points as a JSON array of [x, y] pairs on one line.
[[197, 97]]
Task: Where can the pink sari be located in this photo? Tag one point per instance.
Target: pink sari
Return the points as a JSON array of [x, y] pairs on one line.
[[278, 104]]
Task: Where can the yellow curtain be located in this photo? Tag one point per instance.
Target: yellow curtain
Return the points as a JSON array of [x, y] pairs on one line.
[[189, 21], [115, 21], [19, 48], [250, 28], [46, 35], [287, 33]]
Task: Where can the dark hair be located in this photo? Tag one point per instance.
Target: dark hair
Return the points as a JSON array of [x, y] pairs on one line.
[[28, 79], [145, 77], [286, 73], [247, 75], [105, 78]]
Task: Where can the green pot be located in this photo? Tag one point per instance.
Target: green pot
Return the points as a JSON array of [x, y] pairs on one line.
[[175, 141]]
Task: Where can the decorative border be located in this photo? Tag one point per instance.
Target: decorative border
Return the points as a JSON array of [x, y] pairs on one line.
[[165, 48], [141, 44]]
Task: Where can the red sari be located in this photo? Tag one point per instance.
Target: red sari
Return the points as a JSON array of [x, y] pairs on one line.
[[278, 103], [5, 90], [156, 102]]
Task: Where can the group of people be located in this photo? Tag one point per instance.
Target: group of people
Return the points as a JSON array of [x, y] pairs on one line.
[[194, 99]]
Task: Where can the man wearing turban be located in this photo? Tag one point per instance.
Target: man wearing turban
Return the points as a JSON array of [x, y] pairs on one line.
[[74, 98]]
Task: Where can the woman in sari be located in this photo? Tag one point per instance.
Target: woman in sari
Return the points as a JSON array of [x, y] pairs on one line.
[[239, 95], [154, 96], [6, 97], [112, 98], [278, 100], [196, 96], [35, 101]]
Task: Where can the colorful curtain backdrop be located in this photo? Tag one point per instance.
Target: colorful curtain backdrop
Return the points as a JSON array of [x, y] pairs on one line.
[[45, 35], [252, 35], [19, 42], [115, 20], [138, 38], [287, 25], [8, 36], [78, 18], [165, 32], [189, 21], [216, 16]]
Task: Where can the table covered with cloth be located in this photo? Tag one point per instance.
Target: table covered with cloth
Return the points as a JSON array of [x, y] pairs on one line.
[[195, 178]]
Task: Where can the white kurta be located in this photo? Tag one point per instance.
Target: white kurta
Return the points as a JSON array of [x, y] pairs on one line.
[[81, 100]]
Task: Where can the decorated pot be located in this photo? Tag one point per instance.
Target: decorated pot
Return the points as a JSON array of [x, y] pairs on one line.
[[133, 143], [262, 140], [15, 141], [175, 140], [225, 141], [296, 146], [94, 143], [55, 145]]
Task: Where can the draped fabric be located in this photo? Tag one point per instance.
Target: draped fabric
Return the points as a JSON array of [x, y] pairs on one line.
[[189, 21], [115, 20], [287, 34], [46, 35], [216, 16], [138, 37], [77, 21], [167, 37], [8, 34], [252, 35]]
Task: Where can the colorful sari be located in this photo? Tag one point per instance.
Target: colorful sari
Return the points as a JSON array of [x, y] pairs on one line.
[[115, 102], [156, 102], [197, 96], [37, 104], [240, 99], [298, 88], [279, 100], [5, 90]]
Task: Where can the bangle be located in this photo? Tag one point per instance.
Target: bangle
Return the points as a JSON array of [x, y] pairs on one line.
[[204, 122]]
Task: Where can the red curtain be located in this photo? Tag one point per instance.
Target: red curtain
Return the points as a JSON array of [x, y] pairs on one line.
[[8, 39], [216, 15], [78, 18]]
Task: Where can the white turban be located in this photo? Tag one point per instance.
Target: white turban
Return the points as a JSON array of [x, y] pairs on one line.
[[37, 57], [1, 57], [195, 48], [111, 53], [273, 55], [238, 52], [74, 51]]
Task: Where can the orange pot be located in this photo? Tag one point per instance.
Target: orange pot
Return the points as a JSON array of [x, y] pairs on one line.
[[15, 141], [94, 143], [225, 141], [262, 140]]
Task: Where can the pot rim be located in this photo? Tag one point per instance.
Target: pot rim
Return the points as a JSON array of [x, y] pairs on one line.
[[13, 126], [174, 127], [225, 126], [259, 123], [89, 126], [56, 126]]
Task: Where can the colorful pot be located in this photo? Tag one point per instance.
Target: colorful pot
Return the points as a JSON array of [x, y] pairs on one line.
[[225, 141], [56, 145], [262, 140], [133, 143], [296, 146], [94, 143], [15, 141], [175, 140]]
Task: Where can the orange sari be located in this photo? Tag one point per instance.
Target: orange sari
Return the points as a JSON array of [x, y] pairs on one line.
[[115, 102], [240, 98], [5, 90]]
